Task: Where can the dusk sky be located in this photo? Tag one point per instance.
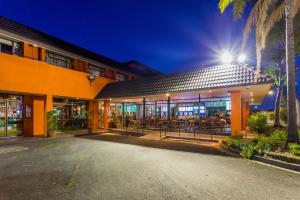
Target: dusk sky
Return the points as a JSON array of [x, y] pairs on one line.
[[168, 35]]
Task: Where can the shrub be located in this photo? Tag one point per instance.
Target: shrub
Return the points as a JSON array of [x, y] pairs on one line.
[[294, 149], [284, 114], [271, 116], [234, 142], [248, 150], [258, 122]]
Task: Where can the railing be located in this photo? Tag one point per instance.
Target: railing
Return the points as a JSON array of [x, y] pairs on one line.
[[180, 127]]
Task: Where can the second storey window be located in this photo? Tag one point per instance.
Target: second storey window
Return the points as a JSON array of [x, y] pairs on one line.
[[121, 77], [59, 60], [11, 47], [96, 71]]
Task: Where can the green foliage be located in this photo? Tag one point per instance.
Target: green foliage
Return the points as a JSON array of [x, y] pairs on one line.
[[248, 150], [51, 121], [234, 142], [258, 122], [258, 145], [223, 4], [271, 116], [294, 149], [284, 114], [89, 116]]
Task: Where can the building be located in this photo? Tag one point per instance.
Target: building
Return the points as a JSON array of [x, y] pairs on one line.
[[40, 73]]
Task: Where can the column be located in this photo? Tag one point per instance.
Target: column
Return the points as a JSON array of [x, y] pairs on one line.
[[94, 110], [105, 113], [245, 114], [144, 112], [123, 114], [199, 111], [155, 112], [236, 113], [48, 108], [169, 108]]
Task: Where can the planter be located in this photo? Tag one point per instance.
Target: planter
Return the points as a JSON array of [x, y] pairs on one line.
[[52, 133], [90, 130]]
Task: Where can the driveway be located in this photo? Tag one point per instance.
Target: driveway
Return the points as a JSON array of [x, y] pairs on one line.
[[120, 167]]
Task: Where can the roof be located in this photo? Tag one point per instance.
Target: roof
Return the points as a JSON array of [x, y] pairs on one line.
[[142, 67], [222, 76], [24, 31]]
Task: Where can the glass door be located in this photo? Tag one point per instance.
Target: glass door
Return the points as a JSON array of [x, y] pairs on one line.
[[14, 115], [11, 115]]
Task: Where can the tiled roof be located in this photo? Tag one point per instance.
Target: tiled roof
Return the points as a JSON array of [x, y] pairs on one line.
[[24, 31], [222, 76]]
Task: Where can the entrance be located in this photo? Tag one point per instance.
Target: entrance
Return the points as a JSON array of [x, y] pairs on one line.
[[11, 115]]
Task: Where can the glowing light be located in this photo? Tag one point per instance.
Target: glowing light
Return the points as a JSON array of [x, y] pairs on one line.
[[226, 58], [271, 92], [209, 91], [168, 94], [242, 58]]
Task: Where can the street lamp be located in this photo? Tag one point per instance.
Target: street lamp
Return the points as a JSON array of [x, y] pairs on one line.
[[226, 58], [241, 58]]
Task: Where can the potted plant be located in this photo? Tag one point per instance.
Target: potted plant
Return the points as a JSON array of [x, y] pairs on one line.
[[51, 124], [89, 118]]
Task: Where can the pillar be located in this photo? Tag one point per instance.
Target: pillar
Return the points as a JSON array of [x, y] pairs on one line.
[[245, 114], [144, 112], [169, 108], [48, 108], [123, 114], [155, 113], [105, 113], [93, 108], [236, 113]]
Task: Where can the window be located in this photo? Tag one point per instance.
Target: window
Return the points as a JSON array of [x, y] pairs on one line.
[[121, 77], [11, 47], [59, 60], [96, 71]]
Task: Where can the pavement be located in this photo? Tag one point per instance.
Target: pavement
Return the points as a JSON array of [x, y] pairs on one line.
[[109, 166]]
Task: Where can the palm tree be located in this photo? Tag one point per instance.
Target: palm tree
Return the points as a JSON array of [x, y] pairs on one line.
[[264, 15]]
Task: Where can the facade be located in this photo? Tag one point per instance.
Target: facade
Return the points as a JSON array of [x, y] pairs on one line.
[[40, 73]]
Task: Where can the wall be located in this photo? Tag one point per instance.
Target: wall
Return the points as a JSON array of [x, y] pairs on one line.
[[236, 113], [23, 75]]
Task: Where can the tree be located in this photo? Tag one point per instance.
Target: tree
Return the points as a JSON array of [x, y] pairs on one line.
[[276, 72], [264, 15]]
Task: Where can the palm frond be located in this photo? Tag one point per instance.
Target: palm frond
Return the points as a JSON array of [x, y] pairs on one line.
[[296, 7], [275, 17], [223, 4], [257, 18]]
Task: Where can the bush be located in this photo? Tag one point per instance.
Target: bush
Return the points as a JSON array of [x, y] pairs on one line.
[[294, 149], [258, 145], [284, 114], [258, 122], [271, 116], [234, 142], [248, 150]]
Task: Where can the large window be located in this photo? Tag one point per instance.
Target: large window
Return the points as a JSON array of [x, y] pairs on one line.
[[121, 77], [11, 47], [96, 71], [59, 60]]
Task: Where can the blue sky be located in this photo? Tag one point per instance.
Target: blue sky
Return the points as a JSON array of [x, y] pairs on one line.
[[168, 35]]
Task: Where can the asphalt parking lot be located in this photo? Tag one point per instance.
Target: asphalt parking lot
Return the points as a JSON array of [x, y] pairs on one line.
[[121, 167]]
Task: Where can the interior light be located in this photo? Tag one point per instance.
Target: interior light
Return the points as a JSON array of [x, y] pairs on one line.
[[271, 92]]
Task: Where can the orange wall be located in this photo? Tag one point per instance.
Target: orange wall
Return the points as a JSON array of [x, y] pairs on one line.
[[23, 75], [38, 117], [236, 113], [30, 51]]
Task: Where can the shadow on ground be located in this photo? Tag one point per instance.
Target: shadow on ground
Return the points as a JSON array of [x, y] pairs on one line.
[[160, 144]]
